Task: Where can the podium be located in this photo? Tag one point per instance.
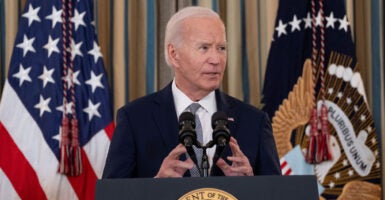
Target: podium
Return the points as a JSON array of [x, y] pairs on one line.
[[221, 188]]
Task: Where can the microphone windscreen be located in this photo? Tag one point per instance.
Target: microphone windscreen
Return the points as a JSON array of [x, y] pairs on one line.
[[218, 116], [186, 116]]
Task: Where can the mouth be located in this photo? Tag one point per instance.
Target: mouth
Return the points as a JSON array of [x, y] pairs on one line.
[[212, 73]]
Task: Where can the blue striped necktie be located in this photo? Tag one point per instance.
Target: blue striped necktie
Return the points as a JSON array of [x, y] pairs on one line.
[[193, 108]]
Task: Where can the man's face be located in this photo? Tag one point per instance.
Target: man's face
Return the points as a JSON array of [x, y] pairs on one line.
[[200, 60]]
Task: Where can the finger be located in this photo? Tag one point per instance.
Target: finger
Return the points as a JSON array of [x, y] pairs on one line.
[[184, 166], [166, 172], [239, 159], [235, 149], [177, 151], [235, 170], [232, 139], [172, 164], [190, 161], [172, 173], [222, 164], [226, 169], [174, 168], [240, 169]]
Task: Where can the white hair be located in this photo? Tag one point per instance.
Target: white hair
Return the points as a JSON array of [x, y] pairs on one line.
[[173, 29]]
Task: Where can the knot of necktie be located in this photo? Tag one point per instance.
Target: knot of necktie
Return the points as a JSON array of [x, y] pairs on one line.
[[193, 108]]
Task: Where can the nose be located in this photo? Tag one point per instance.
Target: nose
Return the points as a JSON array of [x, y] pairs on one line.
[[214, 57]]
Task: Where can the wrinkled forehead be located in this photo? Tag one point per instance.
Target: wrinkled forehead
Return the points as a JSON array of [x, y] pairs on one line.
[[203, 24]]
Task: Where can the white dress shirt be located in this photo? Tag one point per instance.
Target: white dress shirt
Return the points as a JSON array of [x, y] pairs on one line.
[[207, 109]]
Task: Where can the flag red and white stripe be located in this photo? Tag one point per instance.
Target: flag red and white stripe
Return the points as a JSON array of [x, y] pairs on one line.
[[31, 108], [28, 168], [285, 168]]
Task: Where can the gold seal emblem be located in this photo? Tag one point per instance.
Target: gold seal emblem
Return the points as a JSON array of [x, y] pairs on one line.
[[207, 194], [356, 162]]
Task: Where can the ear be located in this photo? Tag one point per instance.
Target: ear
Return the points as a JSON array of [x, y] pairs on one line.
[[173, 55]]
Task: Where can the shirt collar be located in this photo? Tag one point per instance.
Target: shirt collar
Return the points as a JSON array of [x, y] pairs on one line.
[[182, 101]]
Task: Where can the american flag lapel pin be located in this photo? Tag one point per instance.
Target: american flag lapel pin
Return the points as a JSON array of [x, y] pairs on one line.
[[231, 119]]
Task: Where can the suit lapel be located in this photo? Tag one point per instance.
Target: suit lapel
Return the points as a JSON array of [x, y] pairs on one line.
[[165, 118], [226, 105]]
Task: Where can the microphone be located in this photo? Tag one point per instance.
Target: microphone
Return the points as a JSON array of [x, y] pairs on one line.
[[221, 134], [187, 134]]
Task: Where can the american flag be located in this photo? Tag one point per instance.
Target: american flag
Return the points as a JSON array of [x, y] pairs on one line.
[[31, 108]]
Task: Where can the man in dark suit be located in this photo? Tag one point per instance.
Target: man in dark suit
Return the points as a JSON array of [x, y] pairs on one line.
[[145, 142]]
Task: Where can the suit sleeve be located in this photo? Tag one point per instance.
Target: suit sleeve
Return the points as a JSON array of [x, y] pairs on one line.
[[268, 162], [120, 161]]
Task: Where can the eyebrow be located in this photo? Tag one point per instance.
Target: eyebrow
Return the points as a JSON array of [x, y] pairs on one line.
[[212, 44]]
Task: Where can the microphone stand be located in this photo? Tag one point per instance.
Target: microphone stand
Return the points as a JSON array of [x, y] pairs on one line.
[[205, 163], [205, 166]]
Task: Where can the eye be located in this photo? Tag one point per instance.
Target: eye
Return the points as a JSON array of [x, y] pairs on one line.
[[222, 48], [204, 47]]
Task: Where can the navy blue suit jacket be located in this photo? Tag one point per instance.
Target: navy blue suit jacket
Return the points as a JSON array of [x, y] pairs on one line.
[[147, 130]]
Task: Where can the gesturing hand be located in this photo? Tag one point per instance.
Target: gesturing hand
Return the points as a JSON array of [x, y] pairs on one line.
[[240, 163], [172, 166]]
